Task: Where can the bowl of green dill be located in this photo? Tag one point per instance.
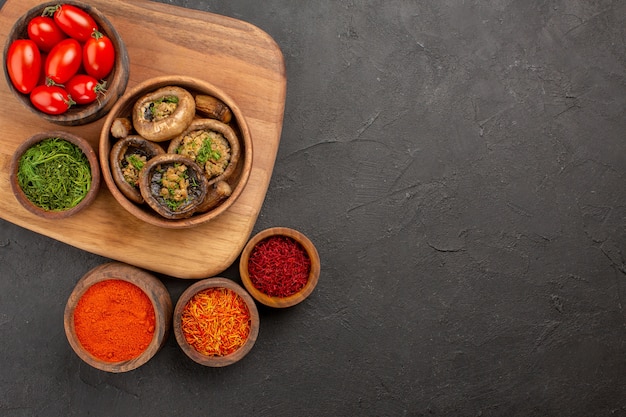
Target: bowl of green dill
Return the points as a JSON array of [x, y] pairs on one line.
[[55, 174]]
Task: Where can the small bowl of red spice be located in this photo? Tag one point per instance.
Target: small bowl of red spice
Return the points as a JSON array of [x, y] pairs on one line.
[[117, 317], [279, 267], [216, 322]]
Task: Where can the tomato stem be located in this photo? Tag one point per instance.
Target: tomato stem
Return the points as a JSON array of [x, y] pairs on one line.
[[70, 102], [50, 10], [96, 34], [50, 82], [101, 87]]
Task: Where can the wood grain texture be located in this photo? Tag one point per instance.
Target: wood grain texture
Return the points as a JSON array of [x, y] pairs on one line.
[[165, 40]]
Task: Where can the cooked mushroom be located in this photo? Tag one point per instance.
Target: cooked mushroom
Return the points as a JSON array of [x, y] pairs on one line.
[[213, 108], [127, 158], [121, 127], [217, 193], [212, 144], [173, 185], [164, 113]]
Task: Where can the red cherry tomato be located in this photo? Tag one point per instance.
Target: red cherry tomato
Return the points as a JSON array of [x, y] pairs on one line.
[[72, 20], [42, 73], [64, 61], [45, 32], [51, 99], [84, 89], [98, 56], [24, 65]]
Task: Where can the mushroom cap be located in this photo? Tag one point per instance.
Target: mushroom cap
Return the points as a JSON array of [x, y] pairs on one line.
[[217, 126], [150, 185], [121, 149], [170, 126]]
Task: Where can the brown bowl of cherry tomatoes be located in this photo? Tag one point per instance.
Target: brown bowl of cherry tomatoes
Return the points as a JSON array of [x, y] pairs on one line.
[[66, 62]]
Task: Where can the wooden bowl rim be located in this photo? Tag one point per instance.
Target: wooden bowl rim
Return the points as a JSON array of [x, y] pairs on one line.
[[93, 165], [116, 81], [215, 361], [149, 284], [192, 83], [280, 302]]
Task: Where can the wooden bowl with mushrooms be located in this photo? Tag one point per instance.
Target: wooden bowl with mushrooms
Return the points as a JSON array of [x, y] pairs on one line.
[[157, 137]]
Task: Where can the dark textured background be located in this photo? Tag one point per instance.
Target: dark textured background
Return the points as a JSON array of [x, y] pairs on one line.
[[460, 166]]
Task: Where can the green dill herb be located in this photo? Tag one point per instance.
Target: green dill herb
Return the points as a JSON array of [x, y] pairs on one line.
[[206, 152], [135, 161], [166, 99], [169, 99], [171, 202], [152, 107], [54, 174]]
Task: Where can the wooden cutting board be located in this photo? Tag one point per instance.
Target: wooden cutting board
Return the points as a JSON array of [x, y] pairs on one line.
[[164, 40]]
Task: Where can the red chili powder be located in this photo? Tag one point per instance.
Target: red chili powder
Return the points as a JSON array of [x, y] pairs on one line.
[[279, 266], [114, 320]]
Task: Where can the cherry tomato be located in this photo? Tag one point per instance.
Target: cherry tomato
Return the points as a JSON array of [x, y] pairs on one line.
[[51, 99], [72, 20], [42, 72], [84, 89], [64, 61], [24, 65], [98, 56], [45, 32]]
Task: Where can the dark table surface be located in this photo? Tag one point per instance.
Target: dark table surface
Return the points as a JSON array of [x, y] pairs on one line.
[[460, 166]]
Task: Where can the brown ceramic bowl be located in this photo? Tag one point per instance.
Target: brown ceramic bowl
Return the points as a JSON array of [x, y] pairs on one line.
[[276, 301], [237, 179], [116, 81], [150, 285], [93, 164], [189, 350]]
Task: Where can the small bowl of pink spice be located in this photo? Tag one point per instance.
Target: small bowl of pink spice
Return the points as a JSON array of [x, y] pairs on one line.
[[279, 267]]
